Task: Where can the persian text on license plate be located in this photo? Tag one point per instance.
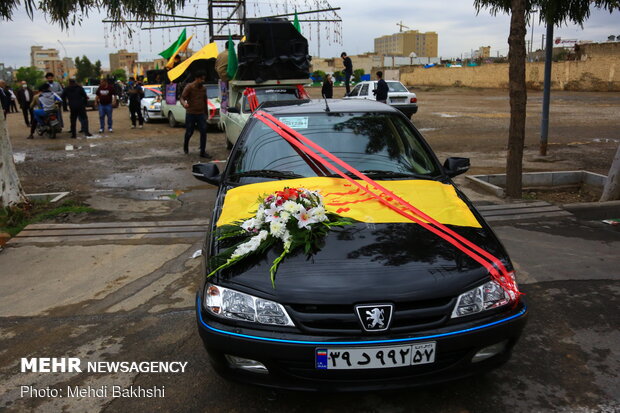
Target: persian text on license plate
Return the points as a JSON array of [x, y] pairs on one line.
[[375, 357]]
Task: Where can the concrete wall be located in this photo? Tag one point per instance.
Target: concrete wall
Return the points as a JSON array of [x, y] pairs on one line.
[[597, 73]]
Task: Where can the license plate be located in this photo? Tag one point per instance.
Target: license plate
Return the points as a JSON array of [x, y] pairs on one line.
[[375, 357], [397, 100]]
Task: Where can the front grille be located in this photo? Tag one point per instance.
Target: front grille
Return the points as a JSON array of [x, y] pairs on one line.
[[407, 317]]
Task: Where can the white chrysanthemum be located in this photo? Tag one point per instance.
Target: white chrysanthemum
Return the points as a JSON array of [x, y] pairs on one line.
[[318, 213], [249, 246], [260, 214], [284, 217], [291, 207], [287, 239], [277, 228]]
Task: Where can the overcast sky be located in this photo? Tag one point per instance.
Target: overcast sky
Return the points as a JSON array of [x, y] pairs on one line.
[[460, 30]]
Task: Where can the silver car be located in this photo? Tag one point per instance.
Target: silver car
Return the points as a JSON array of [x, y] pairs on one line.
[[90, 92]]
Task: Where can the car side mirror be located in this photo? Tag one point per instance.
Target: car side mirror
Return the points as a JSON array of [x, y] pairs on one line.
[[233, 110], [454, 166], [207, 172]]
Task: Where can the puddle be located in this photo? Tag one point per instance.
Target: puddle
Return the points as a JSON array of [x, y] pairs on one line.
[[446, 115], [161, 176], [19, 157]]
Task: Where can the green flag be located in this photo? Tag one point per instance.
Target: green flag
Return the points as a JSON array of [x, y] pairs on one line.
[[296, 22], [156, 66], [231, 70], [167, 54]]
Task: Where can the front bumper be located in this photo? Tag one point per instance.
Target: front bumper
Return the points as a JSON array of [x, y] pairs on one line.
[[155, 114], [290, 358]]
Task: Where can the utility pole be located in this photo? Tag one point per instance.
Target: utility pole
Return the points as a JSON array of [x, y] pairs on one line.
[[544, 127]]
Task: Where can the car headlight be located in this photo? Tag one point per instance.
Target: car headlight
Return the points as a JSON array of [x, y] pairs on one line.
[[227, 303], [487, 296]]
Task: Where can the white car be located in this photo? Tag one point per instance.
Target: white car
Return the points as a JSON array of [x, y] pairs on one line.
[[176, 113], [90, 92], [151, 103], [398, 95]]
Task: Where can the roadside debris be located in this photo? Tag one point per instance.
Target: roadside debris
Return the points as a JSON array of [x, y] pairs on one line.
[[612, 221], [197, 254]]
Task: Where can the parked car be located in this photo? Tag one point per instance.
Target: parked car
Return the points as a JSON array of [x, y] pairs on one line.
[[151, 103], [90, 92], [239, 109], [176, 113], [381, 304], [398, 96]]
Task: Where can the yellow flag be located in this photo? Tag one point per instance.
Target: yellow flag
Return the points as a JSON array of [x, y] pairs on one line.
[[181, 48], [207, 52], [439, 201]]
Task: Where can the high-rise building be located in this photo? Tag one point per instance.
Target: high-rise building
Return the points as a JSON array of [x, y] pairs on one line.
[[407, 42], [123, 60]]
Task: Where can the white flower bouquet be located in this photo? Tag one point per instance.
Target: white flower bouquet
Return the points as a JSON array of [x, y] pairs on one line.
[[294, 217]]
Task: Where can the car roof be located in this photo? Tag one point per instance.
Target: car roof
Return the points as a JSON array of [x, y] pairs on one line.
[[335, 105]]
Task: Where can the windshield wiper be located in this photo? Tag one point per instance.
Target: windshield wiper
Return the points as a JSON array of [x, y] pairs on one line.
[[375, 173], [268, 173]]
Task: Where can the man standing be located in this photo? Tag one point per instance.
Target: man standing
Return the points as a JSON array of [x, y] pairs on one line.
[[381, 92], [5, 98], [135, 93], [194, 100], [105, 98], [77, 98], [348, 71], [328, 87], [55, 87], [24, 98]]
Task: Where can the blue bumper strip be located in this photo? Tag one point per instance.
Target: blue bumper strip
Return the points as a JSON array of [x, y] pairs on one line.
[[321, 343]]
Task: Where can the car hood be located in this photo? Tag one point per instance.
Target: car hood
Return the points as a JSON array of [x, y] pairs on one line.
[[368, 263]]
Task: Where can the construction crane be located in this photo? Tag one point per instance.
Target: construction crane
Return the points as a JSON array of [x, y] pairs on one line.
[[401, 25]]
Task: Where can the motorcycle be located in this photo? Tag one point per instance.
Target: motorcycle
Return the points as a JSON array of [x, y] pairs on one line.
[[50, 124]]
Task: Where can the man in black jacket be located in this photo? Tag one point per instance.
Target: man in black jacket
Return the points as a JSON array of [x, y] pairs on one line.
[[135, 92], [381, 92], [328, 87], [77, 98], [5, 98], [24, 98], [348, 71]]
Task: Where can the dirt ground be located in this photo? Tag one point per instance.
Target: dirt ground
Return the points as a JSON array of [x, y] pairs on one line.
[[138, 165]]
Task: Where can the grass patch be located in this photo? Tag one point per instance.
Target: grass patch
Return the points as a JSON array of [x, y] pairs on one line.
[[15, 219]]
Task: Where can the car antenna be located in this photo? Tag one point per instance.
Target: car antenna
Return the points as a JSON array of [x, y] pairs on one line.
[[326, 105]]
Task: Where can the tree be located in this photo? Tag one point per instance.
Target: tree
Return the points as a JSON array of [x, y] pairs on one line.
[[611, 192], [357, 75], [65, 14], [318, 75], [97, 69], [31, 75], [554, 12], [84, 69], [119, 74]]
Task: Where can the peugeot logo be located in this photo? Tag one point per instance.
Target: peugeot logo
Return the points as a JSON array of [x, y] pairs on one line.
[[375, 317]]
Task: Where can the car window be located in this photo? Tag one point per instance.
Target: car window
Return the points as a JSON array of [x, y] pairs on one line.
[[87, 89], [356, 90], [212, 92], [367, 141], [151, 92], [364, 91], [272, 95], [396, 87]]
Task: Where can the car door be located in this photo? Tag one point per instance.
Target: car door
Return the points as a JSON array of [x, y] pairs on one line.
[[355, 92], [365, 91]]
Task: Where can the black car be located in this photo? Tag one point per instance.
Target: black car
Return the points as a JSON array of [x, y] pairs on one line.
[[380, 305]]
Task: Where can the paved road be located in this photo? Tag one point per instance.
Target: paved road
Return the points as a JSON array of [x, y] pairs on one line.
[[567, 360]]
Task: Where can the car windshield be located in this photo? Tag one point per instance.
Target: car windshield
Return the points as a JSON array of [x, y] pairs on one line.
[[276, 94], [212, 92], [87, 89], [151, 92], [396, 87], [376, 142]]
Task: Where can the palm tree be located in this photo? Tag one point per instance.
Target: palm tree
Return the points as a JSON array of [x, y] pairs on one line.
[[552, 12]]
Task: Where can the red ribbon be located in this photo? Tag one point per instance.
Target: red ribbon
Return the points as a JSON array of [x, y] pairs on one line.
[[484, 258], [302, 92], [250, 93]]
